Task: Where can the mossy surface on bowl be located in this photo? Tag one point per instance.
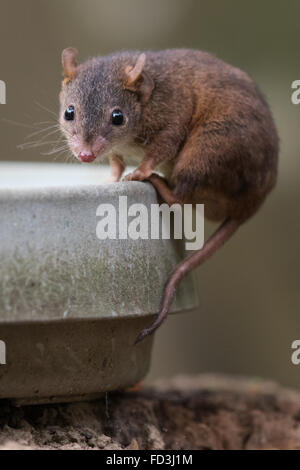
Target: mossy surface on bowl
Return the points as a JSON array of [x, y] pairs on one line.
[[53, 266]]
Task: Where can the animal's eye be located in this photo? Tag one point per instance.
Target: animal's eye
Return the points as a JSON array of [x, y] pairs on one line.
[[117, 117], [70, 113]]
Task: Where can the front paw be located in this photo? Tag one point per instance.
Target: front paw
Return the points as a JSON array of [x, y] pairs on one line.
[[137, 175]]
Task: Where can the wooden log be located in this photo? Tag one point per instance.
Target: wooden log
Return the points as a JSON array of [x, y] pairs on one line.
[[202, 412]]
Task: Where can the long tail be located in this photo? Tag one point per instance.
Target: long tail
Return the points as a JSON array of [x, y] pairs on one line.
[[217, 239]]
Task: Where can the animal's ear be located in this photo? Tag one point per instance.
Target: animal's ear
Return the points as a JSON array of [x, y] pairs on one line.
[[69, 63], [139, 81]]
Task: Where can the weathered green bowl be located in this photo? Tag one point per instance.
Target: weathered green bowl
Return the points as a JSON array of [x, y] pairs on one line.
[[71, 305]]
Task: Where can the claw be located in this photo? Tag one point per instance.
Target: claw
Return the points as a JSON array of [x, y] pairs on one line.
[[137, 175]]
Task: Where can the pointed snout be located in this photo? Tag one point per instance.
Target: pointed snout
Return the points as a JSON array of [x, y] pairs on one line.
[[85, 152], [86, 157]]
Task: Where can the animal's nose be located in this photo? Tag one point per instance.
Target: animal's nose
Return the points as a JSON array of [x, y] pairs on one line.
[[86, 157]]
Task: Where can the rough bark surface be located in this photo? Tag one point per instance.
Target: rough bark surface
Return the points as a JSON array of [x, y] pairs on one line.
[[203, 412]]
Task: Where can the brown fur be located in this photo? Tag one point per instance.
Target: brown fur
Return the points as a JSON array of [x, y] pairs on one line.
[[204, 116]]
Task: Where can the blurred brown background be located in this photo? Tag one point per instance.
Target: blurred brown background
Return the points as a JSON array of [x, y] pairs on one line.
[[249, 292]]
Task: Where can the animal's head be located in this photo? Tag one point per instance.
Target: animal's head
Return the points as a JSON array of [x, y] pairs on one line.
[[101, 101]]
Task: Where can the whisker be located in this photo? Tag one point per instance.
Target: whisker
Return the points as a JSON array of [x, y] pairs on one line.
[[68, 155], [43, 130], [15, 123], [41, 123], [36, 144], [53, 151], [46, 109]]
